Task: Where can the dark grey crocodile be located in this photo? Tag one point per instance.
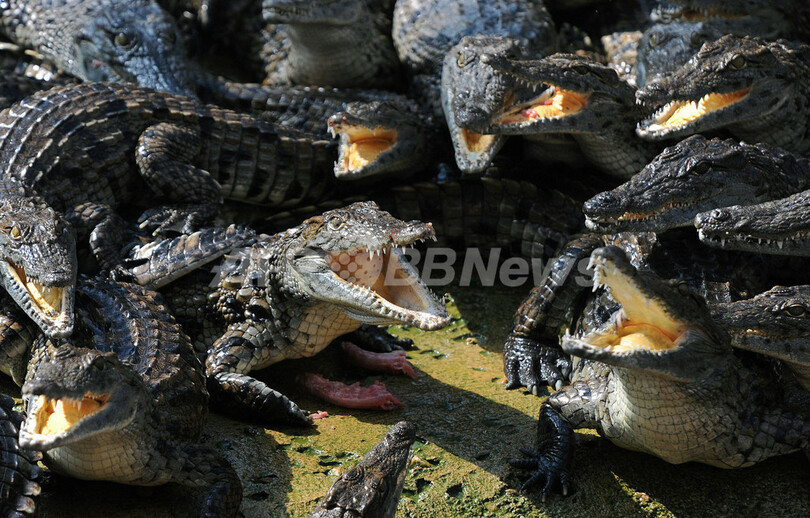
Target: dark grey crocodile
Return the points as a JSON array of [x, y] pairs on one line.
[[560, 94], [693, 176], [124, 399], [756, 90], [665, 47], [425, 30], [345, 43], [290, 295], [661, 377], [18, 478], [774, 227], [372, 488], [109, 40], [118, 144]]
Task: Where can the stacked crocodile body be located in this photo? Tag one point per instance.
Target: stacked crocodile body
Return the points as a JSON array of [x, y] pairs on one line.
[[135, 156]]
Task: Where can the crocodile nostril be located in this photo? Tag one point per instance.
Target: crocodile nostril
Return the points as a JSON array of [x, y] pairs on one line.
[[720, 215], [602, 201]]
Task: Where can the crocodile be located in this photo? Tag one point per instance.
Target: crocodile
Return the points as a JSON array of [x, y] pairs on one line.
[[697, 175], [665, 47], [124, 399], [18, 483], [132, 41], [344, 44], [564, 94], [759, 18], [773, 227], [372, 488], [425, 30], [661, 377], [756, 90], [117, 141], [290, 295]]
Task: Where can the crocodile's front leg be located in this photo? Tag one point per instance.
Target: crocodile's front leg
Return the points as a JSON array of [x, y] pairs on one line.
[[575, 406], [165, 154], [531, 355], [243, 348], [104, 230]]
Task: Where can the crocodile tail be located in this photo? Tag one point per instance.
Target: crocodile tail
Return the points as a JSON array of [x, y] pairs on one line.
[[248, 398], [19, 471]]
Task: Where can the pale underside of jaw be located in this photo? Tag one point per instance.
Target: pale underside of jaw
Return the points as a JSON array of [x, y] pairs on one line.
[[680, 113], [641, 324], [53, 418], [361, 146], [382, 273], [553, 103], [48, 300]]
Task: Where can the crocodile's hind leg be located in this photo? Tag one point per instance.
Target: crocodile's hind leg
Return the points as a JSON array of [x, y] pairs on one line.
[[165, 154], [18, 469], [243, 348], [201, 467]]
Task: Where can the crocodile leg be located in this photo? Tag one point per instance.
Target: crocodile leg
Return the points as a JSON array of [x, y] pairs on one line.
[[232, 356], [103, 228], [532, 356], [378, 339], [164, 155], [18, 468], [572, 407], [17, 333], [203, 467]]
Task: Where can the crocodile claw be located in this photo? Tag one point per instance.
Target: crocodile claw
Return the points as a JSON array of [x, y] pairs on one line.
[[529, 364], [174, 220]]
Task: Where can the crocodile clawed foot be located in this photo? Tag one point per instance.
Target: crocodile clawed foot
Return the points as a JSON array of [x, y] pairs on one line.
[[378, 339], [546, 468], [169, 221], [248, 398], [529, 364]]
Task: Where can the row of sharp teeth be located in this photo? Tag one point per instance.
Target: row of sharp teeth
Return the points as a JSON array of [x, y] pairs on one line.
[[598, 265], [632, 216], [779, 243], [383, 250]]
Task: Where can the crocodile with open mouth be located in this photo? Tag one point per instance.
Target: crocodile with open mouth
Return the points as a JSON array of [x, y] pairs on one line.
[[124, 399], [372, 488], [697, 175], [756, 90], [660, 376], [115, 141], [291, 294], [562, 94]]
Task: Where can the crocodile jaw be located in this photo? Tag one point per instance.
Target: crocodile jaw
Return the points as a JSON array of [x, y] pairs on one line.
[[360, 147], [678, 114], [51, 307], [54, 422], [553, 103]]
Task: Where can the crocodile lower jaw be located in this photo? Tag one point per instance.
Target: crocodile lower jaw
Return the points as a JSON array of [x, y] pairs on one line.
[[51, 305], [677, 114], [553, 103], [360, 146], [52, 420]]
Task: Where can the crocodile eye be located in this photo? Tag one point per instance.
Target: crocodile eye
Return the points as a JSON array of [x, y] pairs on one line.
[[15, 233], [795, 310], [461, 60], [353, 474], [334, 223], [737, 62], [683, 288], [123, 39], [97, 363], [701, 168]]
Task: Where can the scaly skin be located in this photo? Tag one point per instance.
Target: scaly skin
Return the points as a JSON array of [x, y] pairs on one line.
[[775, 227], [344, 44], [756, 90], [561, 94], [665, 47], [188, 153], [660, 377], [290, 295], [372, 488], [693, 176], [110, 40], [18, 485], [141, 391]]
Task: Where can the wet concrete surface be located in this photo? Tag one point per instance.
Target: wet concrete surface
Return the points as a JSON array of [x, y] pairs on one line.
[[469, 426]]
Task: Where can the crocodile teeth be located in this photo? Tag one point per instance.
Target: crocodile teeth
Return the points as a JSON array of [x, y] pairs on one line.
[[680, 113]]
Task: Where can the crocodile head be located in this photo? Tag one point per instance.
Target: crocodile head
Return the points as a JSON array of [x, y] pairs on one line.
[[138, 44], [695, 175], [354, 258], [38, 250], [775, 323], [378, 138], [471, 91], [776, 227], [328, 12], [78, 394], [662, 327], [761, 18], [573, 94], [667, 46], [372, 488], [728, 81]]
